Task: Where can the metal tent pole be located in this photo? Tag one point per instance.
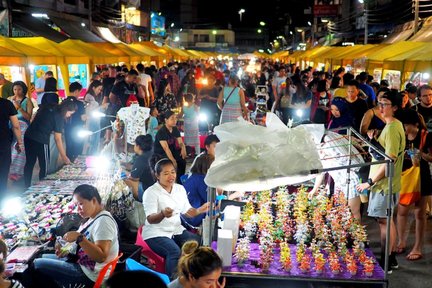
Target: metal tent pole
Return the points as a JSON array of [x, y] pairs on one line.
[[390, 173], [211, 199]]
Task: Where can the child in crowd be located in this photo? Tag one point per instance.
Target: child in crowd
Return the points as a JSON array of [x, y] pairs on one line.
[[190, 113]]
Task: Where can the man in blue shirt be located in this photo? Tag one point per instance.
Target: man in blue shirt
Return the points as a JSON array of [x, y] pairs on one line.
[[40, 86], [368, 90]]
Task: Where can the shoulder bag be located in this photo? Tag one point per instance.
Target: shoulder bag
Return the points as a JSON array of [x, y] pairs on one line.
[[226, 100], [411, 181]]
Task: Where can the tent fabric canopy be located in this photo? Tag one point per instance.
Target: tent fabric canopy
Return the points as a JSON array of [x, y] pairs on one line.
[[97, 55], [64, 55], [33, 55]]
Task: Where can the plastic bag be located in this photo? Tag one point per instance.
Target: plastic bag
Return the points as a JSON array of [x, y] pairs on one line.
[[252, 158]]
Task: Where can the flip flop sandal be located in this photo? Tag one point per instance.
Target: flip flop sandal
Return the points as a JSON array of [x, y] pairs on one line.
[[414, 256], [400, 250]]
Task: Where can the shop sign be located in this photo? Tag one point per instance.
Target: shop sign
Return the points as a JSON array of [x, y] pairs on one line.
[[326, 10]]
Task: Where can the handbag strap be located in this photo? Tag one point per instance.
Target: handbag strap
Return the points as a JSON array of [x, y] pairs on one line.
[[226, 100], [423, 139]]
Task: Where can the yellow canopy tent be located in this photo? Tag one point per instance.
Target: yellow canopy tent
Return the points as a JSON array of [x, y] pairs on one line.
[[135, 55], [176, 53], [359, 55], [65, 56], [157, 48], [97, 56], [11, 57], [281, 55], [122, 55], [354, 56], [309, 56], [416, 60], [376, 59], [197, 54], [154, 54], [125, 52], [32, 55]]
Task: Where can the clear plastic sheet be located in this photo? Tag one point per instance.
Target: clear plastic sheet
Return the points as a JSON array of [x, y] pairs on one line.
[[252, 158]]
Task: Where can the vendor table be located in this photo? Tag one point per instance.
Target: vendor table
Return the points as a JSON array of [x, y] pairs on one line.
[[250, 274]]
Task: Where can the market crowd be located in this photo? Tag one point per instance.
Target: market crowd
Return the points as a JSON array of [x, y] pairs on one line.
[[178, 95]]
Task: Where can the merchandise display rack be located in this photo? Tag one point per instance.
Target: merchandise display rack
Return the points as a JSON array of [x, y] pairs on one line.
[[379, 279]]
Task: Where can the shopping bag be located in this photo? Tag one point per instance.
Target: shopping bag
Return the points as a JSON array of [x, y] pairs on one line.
[[410, 186]]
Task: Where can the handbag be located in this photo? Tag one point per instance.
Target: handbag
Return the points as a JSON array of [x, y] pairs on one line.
[[410, 186], [410, 180], [226, 100]]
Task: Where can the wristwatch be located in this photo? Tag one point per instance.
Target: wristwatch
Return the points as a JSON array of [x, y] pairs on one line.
[[79, 239], [370, 182]]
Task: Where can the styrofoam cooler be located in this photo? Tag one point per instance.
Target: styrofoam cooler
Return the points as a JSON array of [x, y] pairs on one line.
[[232, 222], [224, 246]]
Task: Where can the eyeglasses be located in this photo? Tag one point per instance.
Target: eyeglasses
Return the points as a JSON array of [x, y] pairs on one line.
[[383, 105]]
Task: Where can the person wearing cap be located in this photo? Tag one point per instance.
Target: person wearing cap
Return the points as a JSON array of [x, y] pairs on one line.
[[74, 144]]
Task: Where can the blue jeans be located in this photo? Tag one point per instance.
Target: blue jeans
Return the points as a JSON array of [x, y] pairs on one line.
[[65, 274], [168, 248]]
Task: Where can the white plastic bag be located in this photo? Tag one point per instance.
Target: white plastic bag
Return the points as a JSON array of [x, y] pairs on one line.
[[252, 158]]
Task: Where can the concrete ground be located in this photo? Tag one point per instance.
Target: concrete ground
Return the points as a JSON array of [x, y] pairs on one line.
[[410, 273]]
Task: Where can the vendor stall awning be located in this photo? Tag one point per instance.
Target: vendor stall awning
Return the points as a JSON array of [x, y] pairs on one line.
[[36, 27], [75, 30]]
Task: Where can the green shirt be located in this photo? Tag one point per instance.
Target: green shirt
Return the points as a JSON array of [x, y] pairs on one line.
[[392, 138]]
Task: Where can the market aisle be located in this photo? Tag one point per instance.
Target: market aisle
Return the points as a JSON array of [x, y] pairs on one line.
[[410, 273]]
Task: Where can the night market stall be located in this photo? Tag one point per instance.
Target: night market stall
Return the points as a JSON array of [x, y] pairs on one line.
[[282, 235]]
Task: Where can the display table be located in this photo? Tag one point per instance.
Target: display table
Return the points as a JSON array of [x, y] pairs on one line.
[[250, 272]]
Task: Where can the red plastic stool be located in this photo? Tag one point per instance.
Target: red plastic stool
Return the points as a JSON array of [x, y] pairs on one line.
[[149, 253]]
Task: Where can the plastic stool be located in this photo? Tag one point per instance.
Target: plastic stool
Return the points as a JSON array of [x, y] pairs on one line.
[[148, 252]]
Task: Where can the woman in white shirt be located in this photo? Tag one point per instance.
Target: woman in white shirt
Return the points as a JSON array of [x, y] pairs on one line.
[[163, 203], [96, 242]]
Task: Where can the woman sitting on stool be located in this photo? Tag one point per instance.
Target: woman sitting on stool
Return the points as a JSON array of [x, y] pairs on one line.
[[96, 241], [163, 203]]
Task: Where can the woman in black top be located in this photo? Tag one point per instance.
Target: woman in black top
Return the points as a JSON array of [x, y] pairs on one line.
[[50, 96], [169, 144], [50, 118]]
